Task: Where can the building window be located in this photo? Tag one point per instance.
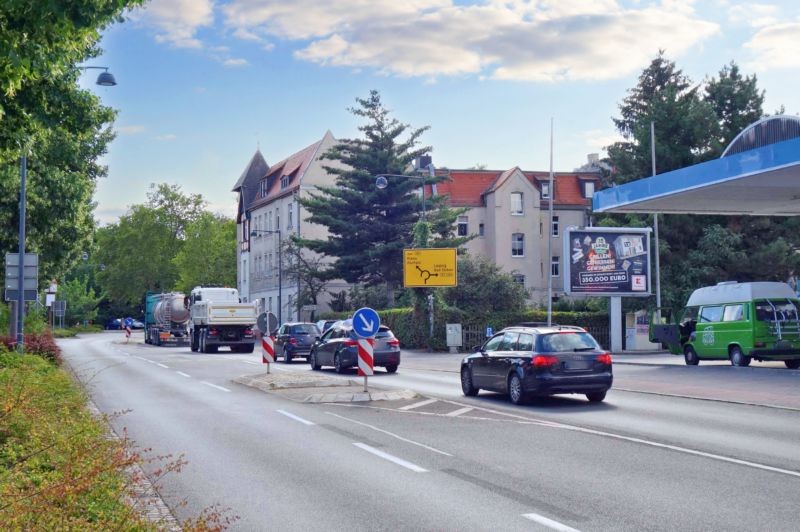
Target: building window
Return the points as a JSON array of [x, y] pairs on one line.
[[554, 266], [480, 230], [462, 225], [545, 190], [284, 181], [555, 225], [289, 215], [269, 221], [263, 188], [519, 279], [277, 219], [588, 189], [516, 204], [517, 245]]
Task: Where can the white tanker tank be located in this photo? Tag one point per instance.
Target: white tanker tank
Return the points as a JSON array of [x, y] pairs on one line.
[[165, 318]]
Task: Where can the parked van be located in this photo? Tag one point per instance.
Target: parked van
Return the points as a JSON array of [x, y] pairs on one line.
[[737, 322]]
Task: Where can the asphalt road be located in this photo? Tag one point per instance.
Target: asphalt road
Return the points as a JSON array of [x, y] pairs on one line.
[[639, 461]]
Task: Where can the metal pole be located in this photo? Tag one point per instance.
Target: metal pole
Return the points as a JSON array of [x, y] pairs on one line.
[[655, 222], [280, 280], [552, 196], [21, 280]]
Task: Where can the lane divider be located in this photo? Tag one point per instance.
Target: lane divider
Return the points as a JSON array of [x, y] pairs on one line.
[[215, 386], [549, 523], [296, 418], [184, 374], [386, 456], [392, 434], [418, 405]]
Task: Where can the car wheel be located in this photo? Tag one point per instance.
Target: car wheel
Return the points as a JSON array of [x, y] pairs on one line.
[[596, 397], [690, 356], [515, 392], [337, 363], [287, 358], [312, 360], [467, 386], [792, 364], [391, 369], [738, 358]]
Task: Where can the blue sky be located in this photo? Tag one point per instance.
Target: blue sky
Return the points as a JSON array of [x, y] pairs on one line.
[[202, 83]]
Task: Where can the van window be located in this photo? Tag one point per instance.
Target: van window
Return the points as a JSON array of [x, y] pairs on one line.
[[783, 310], [733, 313], [711, 314]]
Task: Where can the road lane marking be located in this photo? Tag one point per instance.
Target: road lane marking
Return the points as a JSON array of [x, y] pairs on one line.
[[386, 456], [393, 435], [460, 411], [215, 386], [549, 523], [140, 358], [418, 405], [296, 418], [251, 362], [184, 374], [162, 365]]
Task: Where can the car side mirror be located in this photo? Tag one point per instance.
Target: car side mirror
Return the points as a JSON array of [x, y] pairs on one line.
[[476, 348]]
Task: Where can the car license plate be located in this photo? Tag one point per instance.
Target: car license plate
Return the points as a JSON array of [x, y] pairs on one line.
[[576, 365]]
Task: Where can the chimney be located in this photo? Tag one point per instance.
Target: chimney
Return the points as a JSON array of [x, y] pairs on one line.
[[593, 159]]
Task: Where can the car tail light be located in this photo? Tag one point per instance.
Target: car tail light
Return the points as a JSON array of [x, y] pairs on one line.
[[293, 341], [213, 332], [350, 343], [604, 358], [394, 342], [543, 361], [248, 332]]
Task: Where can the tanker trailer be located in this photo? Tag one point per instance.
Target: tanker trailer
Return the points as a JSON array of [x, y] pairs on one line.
[[165, 319]]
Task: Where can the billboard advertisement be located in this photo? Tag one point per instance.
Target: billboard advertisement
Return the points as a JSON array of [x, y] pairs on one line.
[[611, 261]]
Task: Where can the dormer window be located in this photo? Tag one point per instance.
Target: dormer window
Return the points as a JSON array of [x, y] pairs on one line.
[[262, 188], [546, 190], [588, 189], [284, 181]]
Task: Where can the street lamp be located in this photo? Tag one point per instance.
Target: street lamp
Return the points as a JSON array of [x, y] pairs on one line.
[[381, 182], [105, 79], [253, 233]]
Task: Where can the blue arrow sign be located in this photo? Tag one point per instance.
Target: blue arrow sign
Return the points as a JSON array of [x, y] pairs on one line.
[[366, 322]]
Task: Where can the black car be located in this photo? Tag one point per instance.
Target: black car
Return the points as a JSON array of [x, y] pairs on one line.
[[525, 362], [295, 339], [338, 347]]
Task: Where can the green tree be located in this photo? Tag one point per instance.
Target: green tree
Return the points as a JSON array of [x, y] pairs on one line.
[[308, 270], [208, 254], [368, 227], [62, 129], [82, 300], [484, 287], [736, 102]]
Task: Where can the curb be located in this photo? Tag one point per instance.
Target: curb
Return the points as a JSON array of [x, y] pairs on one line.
[[318, 390]]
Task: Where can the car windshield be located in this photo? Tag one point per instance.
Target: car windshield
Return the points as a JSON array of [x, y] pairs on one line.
[[304, 328], [567, 341]]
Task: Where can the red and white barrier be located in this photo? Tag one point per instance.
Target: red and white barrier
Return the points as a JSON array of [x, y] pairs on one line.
[[365, 356], [267, 350]]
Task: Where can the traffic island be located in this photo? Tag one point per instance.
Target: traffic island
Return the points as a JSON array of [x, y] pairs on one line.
[[320, 389]]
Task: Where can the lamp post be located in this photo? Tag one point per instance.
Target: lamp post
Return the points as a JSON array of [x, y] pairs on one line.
[[254, 232], [105, 79], [381, 182]]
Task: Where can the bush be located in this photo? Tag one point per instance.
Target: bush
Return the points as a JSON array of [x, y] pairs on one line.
[[40, 344]]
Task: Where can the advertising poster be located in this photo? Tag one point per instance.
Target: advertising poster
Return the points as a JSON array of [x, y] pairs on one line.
[[608, 261]]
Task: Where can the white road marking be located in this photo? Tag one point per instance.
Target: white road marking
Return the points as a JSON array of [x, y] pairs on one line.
[[549, 523], [296, 418], [140, 358], [386, 456], [460, 411], [162, 365], [417, 405], [250, 362], [393, 435], [215, 386], [184, 374]]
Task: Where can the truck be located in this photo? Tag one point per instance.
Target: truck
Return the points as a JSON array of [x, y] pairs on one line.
[[166, 319], [218, 318], [734, 321]]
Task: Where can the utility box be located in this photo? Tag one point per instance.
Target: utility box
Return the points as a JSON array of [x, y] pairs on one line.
[[637, 332], [454, 338]]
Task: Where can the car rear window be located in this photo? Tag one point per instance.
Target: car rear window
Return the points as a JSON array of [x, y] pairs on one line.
[[567, 341], [305, 328]]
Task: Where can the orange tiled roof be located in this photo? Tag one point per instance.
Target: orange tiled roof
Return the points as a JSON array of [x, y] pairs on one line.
[[293, 166]]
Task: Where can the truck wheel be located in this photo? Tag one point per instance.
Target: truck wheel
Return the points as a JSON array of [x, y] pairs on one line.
[[156, 337], [792, 364], [193, 340], [690, 356], [202, 341], [738, 358]]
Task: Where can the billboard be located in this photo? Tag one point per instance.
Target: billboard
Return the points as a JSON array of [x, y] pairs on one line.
[[610, 261]]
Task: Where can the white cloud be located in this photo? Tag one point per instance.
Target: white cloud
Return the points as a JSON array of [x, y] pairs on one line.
[[234, 62], [775, 47], [177, 21], [598, 139], [753, 14], [167, 137], [502, 39], [133, 129]]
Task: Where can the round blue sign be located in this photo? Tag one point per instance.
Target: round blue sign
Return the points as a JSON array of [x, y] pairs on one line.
[[366, 322]]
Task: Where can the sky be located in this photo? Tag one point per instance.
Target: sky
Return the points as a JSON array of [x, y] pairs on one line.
[[202, 84]]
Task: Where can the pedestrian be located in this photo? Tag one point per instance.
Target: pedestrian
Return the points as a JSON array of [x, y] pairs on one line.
[[128, 325]]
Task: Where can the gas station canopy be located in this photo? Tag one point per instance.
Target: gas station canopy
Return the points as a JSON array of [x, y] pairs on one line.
[[759, 174]]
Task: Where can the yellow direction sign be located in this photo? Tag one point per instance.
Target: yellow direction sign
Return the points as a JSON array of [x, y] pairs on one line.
[[429, 267]]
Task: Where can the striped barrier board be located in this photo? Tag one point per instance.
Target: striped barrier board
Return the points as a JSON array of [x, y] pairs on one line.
[[267, 350], [365, 356]]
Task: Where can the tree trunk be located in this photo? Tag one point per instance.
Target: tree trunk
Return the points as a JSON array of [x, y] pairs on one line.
[[389, 294]]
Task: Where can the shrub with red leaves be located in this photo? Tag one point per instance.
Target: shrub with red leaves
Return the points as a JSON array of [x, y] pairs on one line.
[[41, 344]]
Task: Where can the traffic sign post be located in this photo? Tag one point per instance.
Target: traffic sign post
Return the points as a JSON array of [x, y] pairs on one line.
[[366, 324]]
